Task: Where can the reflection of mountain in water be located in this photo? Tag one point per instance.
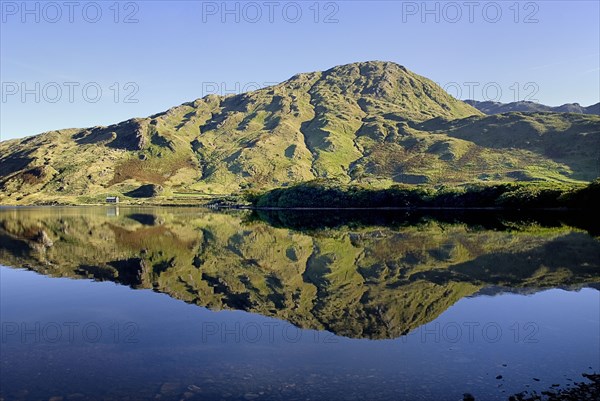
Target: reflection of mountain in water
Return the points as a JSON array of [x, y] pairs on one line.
[[356, 281]]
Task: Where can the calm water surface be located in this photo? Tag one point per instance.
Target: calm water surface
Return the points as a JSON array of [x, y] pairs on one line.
[[124, 303]]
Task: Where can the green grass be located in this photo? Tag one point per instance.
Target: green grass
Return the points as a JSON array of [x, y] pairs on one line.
[[528, 195]]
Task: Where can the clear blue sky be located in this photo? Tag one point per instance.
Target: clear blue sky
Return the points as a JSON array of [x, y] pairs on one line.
[[178, 51]]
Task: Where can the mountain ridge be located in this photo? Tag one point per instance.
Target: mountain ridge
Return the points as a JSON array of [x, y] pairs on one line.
[[373, 123], [490, 107]]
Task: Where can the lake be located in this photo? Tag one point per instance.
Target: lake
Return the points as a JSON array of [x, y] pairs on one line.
[[181, 303]]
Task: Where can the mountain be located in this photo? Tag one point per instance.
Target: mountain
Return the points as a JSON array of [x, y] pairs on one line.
[[489, 107], [374, 123], [361, 281]]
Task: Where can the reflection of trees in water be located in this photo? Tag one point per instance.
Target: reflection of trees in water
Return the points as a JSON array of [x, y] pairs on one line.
[[354, 279]]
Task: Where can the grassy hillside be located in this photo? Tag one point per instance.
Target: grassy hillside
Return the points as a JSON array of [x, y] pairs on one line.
[[509, 196], [372, 123]]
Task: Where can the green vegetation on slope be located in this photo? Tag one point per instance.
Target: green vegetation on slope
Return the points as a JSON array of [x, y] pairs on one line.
[[325, 194], [370, 123]]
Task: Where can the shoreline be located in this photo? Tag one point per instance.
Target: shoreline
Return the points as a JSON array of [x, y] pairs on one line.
[[274, 208]]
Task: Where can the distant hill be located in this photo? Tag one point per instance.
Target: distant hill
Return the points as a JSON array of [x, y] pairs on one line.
[[374, 123], [532, 107]]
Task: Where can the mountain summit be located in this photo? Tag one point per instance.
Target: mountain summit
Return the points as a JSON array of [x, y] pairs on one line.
[[375, 123]]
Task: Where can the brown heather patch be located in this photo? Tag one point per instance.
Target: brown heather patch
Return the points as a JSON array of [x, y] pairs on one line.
[[33, 176], [154, 171]]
